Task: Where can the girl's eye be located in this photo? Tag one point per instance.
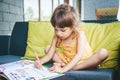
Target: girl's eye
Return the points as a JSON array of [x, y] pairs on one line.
[[63, 30], [56, 30]]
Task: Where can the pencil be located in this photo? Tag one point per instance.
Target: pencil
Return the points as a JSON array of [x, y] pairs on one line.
[[36, 55]]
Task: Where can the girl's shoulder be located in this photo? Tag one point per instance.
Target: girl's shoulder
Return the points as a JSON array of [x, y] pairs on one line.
[[81, 30], [81, 26]]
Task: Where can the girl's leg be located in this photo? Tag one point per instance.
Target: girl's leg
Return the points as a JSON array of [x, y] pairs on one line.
[[93, 61]]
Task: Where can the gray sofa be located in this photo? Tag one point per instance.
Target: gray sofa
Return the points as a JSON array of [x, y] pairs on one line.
[[12, 48]]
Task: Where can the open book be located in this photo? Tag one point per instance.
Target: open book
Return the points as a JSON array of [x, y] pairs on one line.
[[25, 70]]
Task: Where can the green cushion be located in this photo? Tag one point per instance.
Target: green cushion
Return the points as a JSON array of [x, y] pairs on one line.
[[105, 36], [40, 35]]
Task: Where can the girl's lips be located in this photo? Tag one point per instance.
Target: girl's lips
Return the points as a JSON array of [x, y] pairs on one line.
[[61, 37]]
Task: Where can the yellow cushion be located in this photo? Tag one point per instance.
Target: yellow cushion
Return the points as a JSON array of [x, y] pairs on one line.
[[40, 35], [105, 36], [99, 36]]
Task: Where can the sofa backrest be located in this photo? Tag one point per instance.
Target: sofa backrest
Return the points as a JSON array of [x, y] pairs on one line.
[[99, 21], [18, 39], [40, 34], [4, 43]]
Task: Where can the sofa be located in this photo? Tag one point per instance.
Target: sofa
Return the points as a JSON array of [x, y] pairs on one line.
[[14, 47]]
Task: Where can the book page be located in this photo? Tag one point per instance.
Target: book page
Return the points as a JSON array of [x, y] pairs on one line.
[[25, 70]]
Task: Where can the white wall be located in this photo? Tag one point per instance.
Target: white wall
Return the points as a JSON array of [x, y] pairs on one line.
[[118, 15], [11, 11]]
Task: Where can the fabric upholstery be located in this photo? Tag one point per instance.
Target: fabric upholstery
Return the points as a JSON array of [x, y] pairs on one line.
[[93, 74], [105, 36], [4, 42], [18, 48], [18, 39], [8, 58], [40, 35]]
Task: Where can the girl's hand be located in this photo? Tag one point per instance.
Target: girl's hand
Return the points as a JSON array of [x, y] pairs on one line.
[[38, 64], [57, 67]]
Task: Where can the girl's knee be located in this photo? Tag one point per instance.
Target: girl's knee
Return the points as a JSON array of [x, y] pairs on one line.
[[103, 54]]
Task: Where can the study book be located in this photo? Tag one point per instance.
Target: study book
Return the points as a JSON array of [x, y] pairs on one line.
[[25, 70]]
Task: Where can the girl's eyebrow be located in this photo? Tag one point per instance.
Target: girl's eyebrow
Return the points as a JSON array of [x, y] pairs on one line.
[[59, 28], [63, 29]]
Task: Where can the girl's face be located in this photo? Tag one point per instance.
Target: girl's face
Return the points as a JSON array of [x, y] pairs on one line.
[[63, 33]]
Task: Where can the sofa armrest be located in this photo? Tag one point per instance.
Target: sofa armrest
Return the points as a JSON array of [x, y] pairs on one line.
[[4, 44]]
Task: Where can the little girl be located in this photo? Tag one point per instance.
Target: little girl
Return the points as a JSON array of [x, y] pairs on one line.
[[69, 48]]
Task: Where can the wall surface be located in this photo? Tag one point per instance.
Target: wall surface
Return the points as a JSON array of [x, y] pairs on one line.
[[11, 11], [89, 7], [118, 16]]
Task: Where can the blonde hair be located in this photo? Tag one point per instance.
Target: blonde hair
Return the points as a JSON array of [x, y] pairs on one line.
[[64, 16]]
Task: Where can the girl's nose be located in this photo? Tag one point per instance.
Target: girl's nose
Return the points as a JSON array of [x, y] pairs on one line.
[[58, 33]]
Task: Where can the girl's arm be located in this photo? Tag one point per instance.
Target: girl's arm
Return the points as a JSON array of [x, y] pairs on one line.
[[80, 52], [50, 52]]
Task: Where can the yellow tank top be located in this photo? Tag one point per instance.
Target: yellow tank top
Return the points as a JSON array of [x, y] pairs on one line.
[[67, 51]]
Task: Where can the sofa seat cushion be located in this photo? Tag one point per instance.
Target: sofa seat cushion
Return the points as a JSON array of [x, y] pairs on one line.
[[92, 74], [8, 58]]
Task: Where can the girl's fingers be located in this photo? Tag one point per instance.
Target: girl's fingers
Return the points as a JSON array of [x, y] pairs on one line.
[[52, 68], [57, 64], [37, 64], [63, 64]]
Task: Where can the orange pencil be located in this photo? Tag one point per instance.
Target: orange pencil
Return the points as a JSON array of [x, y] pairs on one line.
[[36, 55]]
